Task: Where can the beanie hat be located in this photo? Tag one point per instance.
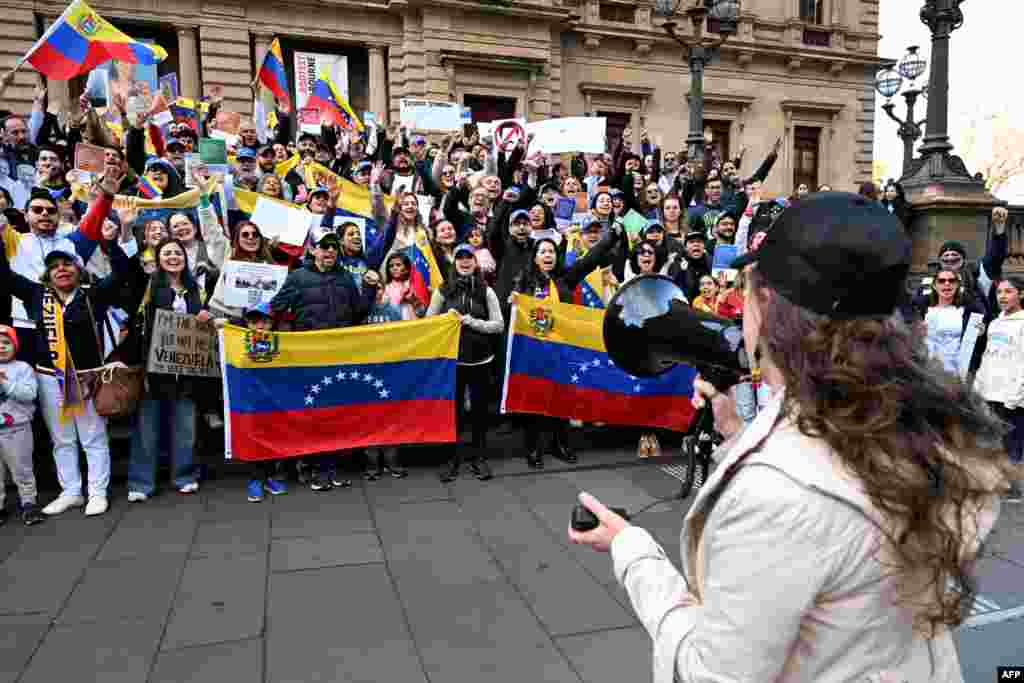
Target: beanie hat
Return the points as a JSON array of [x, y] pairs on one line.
[[953, 245], [9, 332]]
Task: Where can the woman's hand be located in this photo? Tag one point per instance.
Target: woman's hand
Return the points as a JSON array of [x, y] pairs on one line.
[[601, 538], [723, 405]]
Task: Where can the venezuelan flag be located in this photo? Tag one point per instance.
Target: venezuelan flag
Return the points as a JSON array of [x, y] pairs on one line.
[[557, 365], [296, 393], [426, 274], [272, 73], [326, 98], [147, 189], [588, 293], [80, 40]]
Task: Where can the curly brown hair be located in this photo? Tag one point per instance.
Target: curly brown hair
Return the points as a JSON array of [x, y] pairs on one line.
[[925, 448]]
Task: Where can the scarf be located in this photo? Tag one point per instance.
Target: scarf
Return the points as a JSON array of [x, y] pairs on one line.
[[71, 402]]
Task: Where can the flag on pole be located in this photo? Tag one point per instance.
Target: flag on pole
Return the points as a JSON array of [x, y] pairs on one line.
[[80, 40], [272, 73], [295, 393], [557, 365], [326, 98]]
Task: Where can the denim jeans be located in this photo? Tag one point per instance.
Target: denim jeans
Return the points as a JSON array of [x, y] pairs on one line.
[[142, 465], [747, 404]]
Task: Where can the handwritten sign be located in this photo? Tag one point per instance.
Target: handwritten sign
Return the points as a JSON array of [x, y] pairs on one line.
[[182, 345], [430, 115]]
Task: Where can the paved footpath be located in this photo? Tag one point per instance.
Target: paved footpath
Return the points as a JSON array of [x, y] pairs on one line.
[[397, 581]]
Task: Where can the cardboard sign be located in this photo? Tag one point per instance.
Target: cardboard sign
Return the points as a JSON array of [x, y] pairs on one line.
[[416, 114], [183, 346], [249, 284]]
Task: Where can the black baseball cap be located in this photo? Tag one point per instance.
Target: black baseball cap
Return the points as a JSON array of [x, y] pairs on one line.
[[836, 254]]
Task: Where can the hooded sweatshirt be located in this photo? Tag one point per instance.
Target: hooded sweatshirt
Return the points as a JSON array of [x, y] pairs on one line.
[[1000, 378], [17, 394]]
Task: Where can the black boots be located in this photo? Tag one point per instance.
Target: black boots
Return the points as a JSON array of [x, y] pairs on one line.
[[450, 471], [535, 460], [481, 470], [560, 447]]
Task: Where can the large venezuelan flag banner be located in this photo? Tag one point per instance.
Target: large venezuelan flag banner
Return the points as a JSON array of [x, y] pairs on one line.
[[296, 393], [557, 365], [80, 40]]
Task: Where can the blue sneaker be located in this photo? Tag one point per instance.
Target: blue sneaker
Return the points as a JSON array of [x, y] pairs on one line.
[[255, 491], [276, 487]]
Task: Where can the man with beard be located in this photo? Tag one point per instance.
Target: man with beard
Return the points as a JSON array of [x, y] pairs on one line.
[[17, 150], [176, 150], [247, 136], [50, 171], [246, 166], [266, 158], [403, 179], [725, 232], [694, 265]]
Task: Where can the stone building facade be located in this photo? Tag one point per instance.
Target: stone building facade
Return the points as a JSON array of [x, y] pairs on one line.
[[802, 70]]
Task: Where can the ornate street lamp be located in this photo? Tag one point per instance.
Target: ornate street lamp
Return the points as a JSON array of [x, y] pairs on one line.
[[700, 51], [890, 81], [937, 166]]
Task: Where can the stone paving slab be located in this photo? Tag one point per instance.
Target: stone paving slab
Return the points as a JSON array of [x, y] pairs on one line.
[[19, 637], [226, 537], [241, 661], [338, 624], [609, 656], [119, 652], [291, 554], [147, 530], [304, 513], [137, 588], [220, 599]]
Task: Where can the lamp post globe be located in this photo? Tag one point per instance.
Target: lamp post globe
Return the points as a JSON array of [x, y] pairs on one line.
[[888, 82], [912, 65]]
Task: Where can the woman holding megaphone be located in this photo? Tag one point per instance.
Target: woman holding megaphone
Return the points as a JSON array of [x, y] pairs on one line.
[[836, 539]]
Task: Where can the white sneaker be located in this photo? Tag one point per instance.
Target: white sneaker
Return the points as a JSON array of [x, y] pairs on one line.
[[97, 506], [189, 488], [137, 497], [214, 421], [63, 503], [576, 424]]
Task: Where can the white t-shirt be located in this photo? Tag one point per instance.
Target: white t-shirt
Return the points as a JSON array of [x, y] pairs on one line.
[[945, 329]]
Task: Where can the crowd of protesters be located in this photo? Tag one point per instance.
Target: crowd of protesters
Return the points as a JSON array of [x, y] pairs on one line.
[[81, 280]]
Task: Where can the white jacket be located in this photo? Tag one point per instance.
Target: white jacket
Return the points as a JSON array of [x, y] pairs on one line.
[[1001, 376], [782, 580]]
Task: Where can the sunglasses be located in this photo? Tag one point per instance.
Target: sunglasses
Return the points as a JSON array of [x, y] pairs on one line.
[[41, 210], [645, 252], [947, 281], [329, 245], [248, 235]]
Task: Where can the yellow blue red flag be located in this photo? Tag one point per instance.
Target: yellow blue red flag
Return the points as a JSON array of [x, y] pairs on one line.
[[557, 365], [80, 40], [296, 393]]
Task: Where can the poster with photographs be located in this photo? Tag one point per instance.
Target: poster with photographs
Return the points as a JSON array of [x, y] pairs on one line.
[[250, 284]]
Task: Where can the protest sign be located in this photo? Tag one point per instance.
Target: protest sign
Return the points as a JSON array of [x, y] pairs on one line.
[[213, 151], [228, 121], [634, 223], [488, 129], [565, 208], [725, 254], [584, 134], [97, 88], [289, 225], [88, 162], [169, 87], [309, 120], [430, 115], [182, 345], [249, 284], [160, 110], [309, 66], [426, 204], [967, 344]]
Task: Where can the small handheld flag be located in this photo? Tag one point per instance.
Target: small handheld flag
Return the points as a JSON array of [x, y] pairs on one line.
[[272, 73], [80, 40]]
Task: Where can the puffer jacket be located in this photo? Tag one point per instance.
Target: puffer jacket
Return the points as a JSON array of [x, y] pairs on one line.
[[323, 300], [784, 580]]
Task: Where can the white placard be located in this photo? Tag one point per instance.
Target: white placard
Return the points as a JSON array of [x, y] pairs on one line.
[[487, 129], [426, 203], [430, 115], [967, 344], [584, 134], [309, 66], [249, 284], [289, 225]]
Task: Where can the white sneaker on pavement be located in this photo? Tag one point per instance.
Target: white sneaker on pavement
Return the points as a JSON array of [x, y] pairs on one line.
[[63, 503], [97, 505], [137, 497], [189, 488]]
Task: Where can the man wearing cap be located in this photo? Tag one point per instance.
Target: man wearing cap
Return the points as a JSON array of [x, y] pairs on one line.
[[176, 149], [322, 295], [245, 163], [266, 158], [838, 496], [403, 178], [512, 249], [694, 264]]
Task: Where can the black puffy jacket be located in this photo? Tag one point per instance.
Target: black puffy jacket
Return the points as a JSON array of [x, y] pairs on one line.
[[323, 300]]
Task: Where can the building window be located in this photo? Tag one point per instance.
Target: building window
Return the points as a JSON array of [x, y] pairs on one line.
[[486, 108], [817, 38], [812, 11], [719, 131], [806, 143], [622, 14], [615, 123]]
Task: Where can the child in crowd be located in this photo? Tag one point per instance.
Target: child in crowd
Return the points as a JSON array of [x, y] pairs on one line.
[[398, 289], [17, 406]]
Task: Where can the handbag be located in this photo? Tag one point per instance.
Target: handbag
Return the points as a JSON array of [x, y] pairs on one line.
[[117, 388]]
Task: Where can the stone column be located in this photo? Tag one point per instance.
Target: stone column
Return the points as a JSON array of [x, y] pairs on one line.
[[378, 84], [188, 63], [261, 43]]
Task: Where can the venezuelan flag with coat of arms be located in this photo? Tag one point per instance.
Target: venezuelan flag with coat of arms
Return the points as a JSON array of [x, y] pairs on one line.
[[289, 394], [557, 365], [80, 40]]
